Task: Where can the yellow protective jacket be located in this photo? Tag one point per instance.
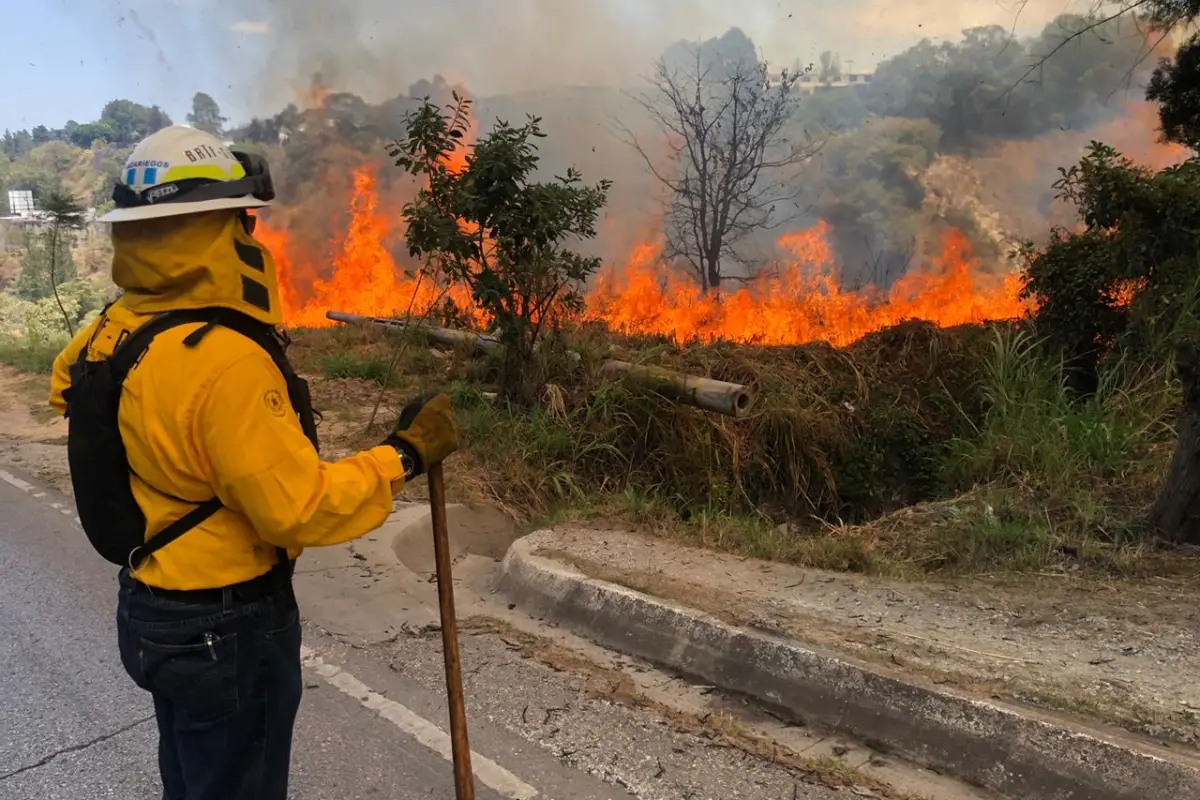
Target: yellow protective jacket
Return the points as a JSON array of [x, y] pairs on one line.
[[213, 420]]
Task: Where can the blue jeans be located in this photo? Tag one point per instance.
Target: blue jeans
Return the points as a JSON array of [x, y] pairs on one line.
[[225, 676]]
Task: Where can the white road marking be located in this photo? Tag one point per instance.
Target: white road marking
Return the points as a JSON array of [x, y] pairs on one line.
[[428, 734], [487, 771], [13, 480], [25, 486]]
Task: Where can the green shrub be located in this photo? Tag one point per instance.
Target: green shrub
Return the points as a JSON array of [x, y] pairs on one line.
[[345, 365], [1130, 275], [31, 353]]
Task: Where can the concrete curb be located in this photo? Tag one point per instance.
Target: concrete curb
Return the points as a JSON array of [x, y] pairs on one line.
[[1021, 754]]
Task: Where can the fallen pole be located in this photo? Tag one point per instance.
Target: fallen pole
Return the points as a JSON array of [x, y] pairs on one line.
[[719, 397], [446, 336], [730, 399]]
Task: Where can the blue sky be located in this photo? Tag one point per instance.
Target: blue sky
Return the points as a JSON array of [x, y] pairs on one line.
[[63, 59]]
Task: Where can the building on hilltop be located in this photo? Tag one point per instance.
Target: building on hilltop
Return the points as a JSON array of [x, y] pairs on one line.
[[809, 81]]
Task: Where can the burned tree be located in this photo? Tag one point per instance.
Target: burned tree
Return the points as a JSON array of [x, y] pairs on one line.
[[725, 119]]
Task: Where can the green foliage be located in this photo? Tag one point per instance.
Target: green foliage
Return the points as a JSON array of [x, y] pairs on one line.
[[1035, 429], [992, 85], [33, 353], [347, 365], [122, 123], [44, 266], [206, 114], [1063, 471], [1133, 266], [867, 187], [131, 122], [1175, 86], [831, 111], [490, 228], [32, 333]]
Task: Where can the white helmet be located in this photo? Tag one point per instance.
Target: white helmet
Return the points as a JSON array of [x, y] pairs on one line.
[[182, 170]]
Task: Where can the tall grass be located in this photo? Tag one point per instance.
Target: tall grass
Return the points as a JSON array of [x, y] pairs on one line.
[[31, 353], [1061, 473]]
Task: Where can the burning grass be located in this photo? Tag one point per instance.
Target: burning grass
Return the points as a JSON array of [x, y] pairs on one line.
[[915, 450]]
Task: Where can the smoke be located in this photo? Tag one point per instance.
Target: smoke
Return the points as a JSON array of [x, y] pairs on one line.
[[375, 47], [516, 56]]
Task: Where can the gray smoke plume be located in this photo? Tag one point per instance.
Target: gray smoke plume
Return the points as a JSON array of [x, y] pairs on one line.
[[375, 47]]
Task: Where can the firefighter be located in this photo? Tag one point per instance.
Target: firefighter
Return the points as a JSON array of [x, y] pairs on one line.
[[194, 461]]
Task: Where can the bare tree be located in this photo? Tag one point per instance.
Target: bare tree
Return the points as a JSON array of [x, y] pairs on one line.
[[728, 173]]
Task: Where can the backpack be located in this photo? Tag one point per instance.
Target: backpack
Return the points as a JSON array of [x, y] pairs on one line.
[[99, 464]]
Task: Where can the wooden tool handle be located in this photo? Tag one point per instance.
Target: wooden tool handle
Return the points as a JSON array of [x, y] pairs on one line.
[[464, 785]]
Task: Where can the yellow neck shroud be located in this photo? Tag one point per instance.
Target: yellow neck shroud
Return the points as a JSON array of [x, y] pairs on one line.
[[195, 261]]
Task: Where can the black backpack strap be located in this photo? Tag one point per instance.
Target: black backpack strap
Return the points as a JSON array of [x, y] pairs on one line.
[[130, 350], [173, 531], [125, 356]]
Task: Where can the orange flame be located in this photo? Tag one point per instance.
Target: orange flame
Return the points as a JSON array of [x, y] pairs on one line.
[[798, 301], [365, 279]]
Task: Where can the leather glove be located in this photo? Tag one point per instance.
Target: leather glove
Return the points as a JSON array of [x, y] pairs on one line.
[[425, 433]]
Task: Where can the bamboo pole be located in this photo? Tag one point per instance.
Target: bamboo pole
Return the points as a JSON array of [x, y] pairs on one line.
[[719, 397], [446, 336], [730, 399]]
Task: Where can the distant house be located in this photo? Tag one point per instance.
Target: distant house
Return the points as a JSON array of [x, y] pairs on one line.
[[809, 82]]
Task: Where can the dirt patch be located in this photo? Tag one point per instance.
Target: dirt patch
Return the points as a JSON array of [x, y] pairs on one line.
[[1120, 651], [32, 436]]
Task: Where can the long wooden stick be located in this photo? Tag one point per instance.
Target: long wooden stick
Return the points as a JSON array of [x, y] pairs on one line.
[[464, 784]]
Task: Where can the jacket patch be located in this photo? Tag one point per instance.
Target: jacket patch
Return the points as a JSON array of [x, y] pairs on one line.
[[276, 403]]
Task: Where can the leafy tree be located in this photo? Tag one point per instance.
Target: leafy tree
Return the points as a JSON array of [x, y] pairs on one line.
[[486, 225], [830, 67], [66, 217], [84, 135], [866, 185], [206, 114], [829, 111], [17, 143], [729, 158], [989, 84], [1175, 86], [1132, 272], [38, 178], [131, 122], [33, 282]]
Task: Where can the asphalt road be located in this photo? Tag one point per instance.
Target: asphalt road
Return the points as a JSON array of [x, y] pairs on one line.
[[371, 724]]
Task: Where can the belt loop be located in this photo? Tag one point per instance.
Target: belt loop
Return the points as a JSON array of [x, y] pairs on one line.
[[227, 599]]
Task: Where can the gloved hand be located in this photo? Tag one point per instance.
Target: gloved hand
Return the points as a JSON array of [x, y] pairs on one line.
[[425, 432]]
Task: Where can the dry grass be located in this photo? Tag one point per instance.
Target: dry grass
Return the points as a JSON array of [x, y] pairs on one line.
[[918, 450]]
